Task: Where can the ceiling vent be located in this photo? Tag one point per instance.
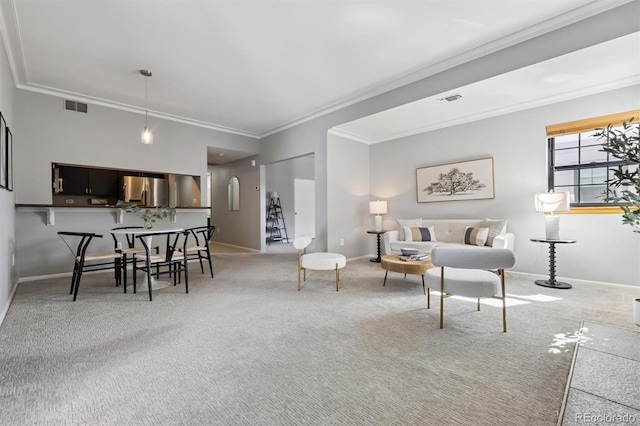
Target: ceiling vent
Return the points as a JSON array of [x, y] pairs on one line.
[[451, 98], [75, 106]]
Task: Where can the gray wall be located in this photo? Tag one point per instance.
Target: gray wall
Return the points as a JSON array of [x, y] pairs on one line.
[[348, 197], [8, 276], [240, 228], [606, 250], [311, 136], [280, 177], [104, 137]]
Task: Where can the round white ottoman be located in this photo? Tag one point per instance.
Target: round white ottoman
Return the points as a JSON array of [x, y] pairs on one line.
[[322, 262]]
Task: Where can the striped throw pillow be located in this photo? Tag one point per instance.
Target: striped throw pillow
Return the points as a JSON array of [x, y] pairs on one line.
[[475, 236], [419, 234]]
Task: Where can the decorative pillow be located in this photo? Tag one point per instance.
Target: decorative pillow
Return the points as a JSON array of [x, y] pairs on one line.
[[409, 223], [496, 227], [475, 236], [420, 234]]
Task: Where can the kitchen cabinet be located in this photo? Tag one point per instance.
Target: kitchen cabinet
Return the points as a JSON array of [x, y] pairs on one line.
[[74, 180]]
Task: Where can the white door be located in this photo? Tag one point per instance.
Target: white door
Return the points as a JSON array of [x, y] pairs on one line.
[[304, 192]]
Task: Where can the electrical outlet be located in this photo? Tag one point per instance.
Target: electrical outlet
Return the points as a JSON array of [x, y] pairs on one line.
[[341, 241]]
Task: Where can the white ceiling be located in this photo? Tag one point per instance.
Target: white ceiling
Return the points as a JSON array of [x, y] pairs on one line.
[[599, 68], [253, 67]]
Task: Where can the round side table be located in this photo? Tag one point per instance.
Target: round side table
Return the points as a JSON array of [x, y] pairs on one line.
[[551, 282]]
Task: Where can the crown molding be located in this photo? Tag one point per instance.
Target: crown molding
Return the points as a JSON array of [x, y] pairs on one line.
[[594, 8], [349, 135], [566, 96], [130, 108]]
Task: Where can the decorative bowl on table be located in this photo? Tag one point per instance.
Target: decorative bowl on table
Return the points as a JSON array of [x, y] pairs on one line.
[[408, 251]]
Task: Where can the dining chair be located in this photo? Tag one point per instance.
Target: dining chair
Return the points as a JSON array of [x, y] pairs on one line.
[[129, 250], [86, 262], [171, 258], [200, 249], [471, 272]]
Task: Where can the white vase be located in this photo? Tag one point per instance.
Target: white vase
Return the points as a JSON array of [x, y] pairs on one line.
[[636, 311]]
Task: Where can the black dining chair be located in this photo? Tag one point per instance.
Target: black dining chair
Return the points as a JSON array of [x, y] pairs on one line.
[[86, 262], [171, 261], [200, 250], [129, 250]]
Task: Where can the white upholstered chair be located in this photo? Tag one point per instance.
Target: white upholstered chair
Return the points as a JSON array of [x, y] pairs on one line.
[[321, 261], [470, 271]]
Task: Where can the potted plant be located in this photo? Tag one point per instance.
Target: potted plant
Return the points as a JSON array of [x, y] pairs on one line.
[[148, 215], [624, 186]]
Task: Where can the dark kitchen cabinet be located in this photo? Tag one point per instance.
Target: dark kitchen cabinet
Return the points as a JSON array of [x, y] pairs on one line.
[[87, 181]]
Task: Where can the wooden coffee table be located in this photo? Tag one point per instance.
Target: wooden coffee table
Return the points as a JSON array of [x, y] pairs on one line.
[[392, 262]]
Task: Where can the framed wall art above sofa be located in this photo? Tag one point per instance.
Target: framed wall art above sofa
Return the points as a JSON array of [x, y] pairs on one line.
[[464, 180]]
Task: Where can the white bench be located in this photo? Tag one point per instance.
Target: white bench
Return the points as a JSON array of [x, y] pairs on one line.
[[322, 261]]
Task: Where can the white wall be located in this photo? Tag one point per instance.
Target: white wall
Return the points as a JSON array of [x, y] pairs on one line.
[[8, 277], [606, 251]]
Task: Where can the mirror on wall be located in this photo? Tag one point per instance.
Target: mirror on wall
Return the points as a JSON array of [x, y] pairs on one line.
[[234, 194]]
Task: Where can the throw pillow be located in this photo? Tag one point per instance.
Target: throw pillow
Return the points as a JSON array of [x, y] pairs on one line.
[[475, 236], [420, 234], [496, 227], [408, 223]]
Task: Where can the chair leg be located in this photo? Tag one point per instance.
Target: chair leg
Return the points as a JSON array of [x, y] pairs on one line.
[[337, 276], [209, 259], [149, 279], [428, 298], [442, 297], [200, 260], [73, 276], [78, 276], [299, 278], [135, 278], [504, 302]]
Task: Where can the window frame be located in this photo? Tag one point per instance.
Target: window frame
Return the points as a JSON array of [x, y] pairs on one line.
[[578, 128]]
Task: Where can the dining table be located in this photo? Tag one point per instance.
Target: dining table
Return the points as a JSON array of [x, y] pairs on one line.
[[148, 232]]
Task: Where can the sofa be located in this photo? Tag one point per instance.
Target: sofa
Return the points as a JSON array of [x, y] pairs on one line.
[[424, 234]]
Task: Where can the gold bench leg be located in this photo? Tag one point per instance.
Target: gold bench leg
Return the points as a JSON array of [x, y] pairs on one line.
[[504, 302]]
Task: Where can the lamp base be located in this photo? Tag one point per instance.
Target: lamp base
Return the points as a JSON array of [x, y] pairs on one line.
[[552, 227], [377, 223]]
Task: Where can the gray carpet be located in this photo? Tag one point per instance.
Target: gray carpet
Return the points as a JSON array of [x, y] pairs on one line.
[[246, 348]]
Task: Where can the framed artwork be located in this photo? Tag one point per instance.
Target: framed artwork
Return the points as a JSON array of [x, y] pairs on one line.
[[9, 159], [465, 180], [3, 152]]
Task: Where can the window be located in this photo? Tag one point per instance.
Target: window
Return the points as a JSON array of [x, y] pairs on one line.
[[577, 163]]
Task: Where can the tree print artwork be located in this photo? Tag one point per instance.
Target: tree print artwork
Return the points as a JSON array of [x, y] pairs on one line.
[[454, 182], [465, 180]]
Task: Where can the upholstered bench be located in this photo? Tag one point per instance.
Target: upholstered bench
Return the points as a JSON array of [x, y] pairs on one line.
[[322, 261]]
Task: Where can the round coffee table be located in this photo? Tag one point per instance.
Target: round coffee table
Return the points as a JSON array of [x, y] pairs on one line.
[[393, 263]]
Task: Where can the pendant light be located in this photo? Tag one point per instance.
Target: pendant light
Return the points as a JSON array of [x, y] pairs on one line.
[[147, 136]]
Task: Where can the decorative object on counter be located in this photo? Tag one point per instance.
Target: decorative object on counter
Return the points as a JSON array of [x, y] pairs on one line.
[[147, 136], [551, 202], [378, 207], [148, 215]]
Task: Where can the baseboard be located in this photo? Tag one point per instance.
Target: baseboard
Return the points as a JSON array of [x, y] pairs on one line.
[[238, 247], [573, 281], [6, 308]]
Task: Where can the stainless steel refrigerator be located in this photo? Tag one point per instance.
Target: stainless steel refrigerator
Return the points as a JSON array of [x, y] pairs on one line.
[[144, 191]]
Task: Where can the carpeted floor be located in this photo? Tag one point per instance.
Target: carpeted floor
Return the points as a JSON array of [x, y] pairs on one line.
[[246, 348]]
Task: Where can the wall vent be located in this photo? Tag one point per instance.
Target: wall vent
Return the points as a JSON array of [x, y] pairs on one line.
[[75, 106], [451, 98]]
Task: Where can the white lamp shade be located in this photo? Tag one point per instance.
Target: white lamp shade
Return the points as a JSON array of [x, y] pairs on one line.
[[550, 202], [147, 136], [378, 207]]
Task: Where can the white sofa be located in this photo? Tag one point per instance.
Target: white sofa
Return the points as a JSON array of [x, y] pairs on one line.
[[448, 231]]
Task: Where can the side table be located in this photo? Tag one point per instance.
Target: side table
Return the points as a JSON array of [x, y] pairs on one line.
[[551, 282], [377, 233]]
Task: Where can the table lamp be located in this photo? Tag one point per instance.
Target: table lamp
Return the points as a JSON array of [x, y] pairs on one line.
[[551, 202], [378, 207]]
